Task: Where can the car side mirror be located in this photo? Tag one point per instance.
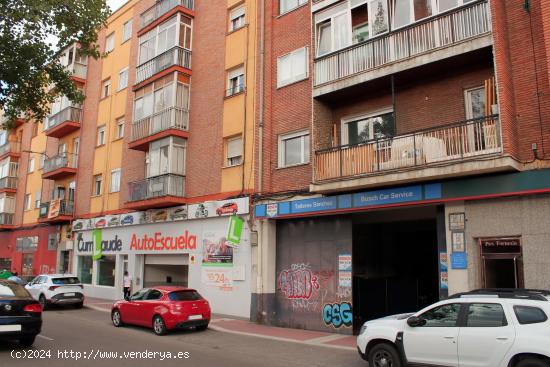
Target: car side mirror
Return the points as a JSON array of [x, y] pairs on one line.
[[415, 321]]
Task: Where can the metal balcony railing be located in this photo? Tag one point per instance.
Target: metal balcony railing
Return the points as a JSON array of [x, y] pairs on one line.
[[67, 114], [451, 143], [10, 180], [10, 147], [66, 207], [170, 118], [158, 186], [162, 7], [436, 32], [175, 56], [63, 160]]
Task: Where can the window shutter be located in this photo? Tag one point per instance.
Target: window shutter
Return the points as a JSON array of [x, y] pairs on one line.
[[234, 148]]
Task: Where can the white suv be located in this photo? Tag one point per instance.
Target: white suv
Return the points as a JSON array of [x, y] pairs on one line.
[[492, 328], [60, 289]]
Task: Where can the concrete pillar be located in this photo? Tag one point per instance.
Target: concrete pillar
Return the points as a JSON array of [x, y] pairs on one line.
[[458, 278]]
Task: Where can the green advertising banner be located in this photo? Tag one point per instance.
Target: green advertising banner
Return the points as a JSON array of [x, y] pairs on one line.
[[234, 230], [97, 245]]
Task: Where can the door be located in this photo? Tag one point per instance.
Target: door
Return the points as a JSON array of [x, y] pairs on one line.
[[59, 193], [475, 109], [486, 336], [28, 261], [34, 287], [130, 310], [501, 272], [435, 342]]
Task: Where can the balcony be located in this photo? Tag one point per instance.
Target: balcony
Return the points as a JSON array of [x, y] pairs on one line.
[[465, 148], [158, 191], [64, 122], [161, 8], [173, 121], [8, 183], [56, 211], [10, 149], [77, 70], [20, 120], [433, 39], [60, 166], [175, 57], [6, 220]]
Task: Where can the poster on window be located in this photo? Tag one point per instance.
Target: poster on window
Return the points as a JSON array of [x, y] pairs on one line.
[[216, 249], [219, 277]]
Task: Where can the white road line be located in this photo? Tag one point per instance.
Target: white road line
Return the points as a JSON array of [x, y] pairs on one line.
[[44, 337]]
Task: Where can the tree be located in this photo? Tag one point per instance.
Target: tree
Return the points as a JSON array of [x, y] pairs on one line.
[[33, 33]]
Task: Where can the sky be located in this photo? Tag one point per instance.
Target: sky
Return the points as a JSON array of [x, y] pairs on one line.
[[115, 4]]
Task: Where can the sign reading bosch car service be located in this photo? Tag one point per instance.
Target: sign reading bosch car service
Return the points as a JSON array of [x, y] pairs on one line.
[[389, 196]]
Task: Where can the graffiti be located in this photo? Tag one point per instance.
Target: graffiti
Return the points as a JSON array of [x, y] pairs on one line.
[[310, 305], [337, 314], [298, 282], [343, 293]]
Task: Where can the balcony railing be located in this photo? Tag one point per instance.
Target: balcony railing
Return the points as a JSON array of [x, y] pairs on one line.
[[77, 69], [155, 187], [6, 219], [162, 7], [170, 118], [10, 147], [64, 160], [456, 142], [441, 31], [67, 114], [175, 56], [10, 181], [65, 208]]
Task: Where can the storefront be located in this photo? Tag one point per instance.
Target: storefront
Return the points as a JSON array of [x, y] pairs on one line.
[[341, 260], [198, 252]]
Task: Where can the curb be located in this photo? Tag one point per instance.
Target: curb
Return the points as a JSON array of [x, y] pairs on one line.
[[96, 308]]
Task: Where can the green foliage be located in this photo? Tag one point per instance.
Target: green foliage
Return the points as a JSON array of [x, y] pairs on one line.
[[29, 60]]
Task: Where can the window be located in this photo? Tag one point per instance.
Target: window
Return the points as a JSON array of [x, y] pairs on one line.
[[110, 42], [123, 79], [27, 203], [139, 295], [42, 160], [486, 315], [294, 149], [31, 164], [288, 5], [37, 198], [236, 18], [529, 315], [164, 37], [442, 316], [292, 67], [53, 240], [127, 31], [97, 184], [235, 81], [152, 295], [106, 271], [106, 88], [234, 151], [100, 136], [162, 95], [184, 296], [361, 129], [475, 102], [119, 128], [85, 265], [115, 180], [409, 11]]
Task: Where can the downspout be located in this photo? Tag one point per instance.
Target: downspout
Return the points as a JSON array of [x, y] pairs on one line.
[[261, 98]]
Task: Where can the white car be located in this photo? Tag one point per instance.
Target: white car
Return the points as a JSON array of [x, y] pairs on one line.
[[60, 289], [490, 328]]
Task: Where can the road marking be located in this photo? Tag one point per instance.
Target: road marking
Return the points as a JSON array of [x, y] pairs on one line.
[[44, 337]]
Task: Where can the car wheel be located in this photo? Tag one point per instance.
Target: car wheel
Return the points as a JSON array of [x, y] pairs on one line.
[[159, 327], [532, 362], [43, 302], [27, 341], [201, 327], [79, 305], [384, 355], [116, 318]]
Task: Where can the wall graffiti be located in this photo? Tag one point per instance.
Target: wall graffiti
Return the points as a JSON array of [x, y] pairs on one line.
[[298, 282], [338, 314]]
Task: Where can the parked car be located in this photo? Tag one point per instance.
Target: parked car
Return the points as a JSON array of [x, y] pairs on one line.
[[227, 208], [20, 314], [491, 327], [58, 289], [163, 308]]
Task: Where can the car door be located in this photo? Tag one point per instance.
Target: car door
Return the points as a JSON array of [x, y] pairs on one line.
[[34, 287], [435, 342], [130, 309], [486, 335], [148, 305]]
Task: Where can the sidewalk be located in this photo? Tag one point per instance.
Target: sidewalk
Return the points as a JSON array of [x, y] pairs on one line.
[[243, 327]]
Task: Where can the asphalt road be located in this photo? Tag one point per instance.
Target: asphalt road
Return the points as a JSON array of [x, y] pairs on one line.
[[91, 334]]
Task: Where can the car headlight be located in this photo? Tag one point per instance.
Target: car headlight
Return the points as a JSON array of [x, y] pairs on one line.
[[363, 329]]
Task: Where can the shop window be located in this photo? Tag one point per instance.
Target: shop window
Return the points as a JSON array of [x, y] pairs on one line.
[[106, 271], [85, 265], [293, 149], [368, 127]]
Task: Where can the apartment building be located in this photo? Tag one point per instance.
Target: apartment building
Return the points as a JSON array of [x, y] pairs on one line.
[[428, 171]]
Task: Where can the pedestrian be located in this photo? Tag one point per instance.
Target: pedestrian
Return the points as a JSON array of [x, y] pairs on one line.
[[127, 284]]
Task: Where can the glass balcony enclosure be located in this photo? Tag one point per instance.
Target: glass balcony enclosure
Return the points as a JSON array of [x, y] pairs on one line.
[[74, 62], [166, 156]]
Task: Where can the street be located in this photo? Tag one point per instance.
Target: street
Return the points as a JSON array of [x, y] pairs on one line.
[[90, 335]]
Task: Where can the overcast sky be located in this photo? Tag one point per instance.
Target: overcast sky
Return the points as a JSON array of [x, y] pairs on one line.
[[115, 4]]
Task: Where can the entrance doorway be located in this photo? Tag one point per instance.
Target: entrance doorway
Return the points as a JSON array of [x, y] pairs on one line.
[[395, 262], [502, 262], [500, 273], [166, 270]]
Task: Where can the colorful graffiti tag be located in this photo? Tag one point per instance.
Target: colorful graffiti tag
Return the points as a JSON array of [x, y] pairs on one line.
[[298, 282], [338, 314]]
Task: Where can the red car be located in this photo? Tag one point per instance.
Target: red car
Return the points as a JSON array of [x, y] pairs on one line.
[[163, 308], [228, 208]]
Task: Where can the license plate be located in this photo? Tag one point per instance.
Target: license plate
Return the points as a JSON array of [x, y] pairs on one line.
[[69, 294], [8, 328], [195, 317]]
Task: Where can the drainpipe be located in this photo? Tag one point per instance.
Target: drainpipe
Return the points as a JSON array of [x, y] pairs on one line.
[[261, 98]]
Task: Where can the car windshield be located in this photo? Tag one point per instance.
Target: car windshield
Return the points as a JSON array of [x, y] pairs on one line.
[[184, 296], [64, 281], [11, 290]]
